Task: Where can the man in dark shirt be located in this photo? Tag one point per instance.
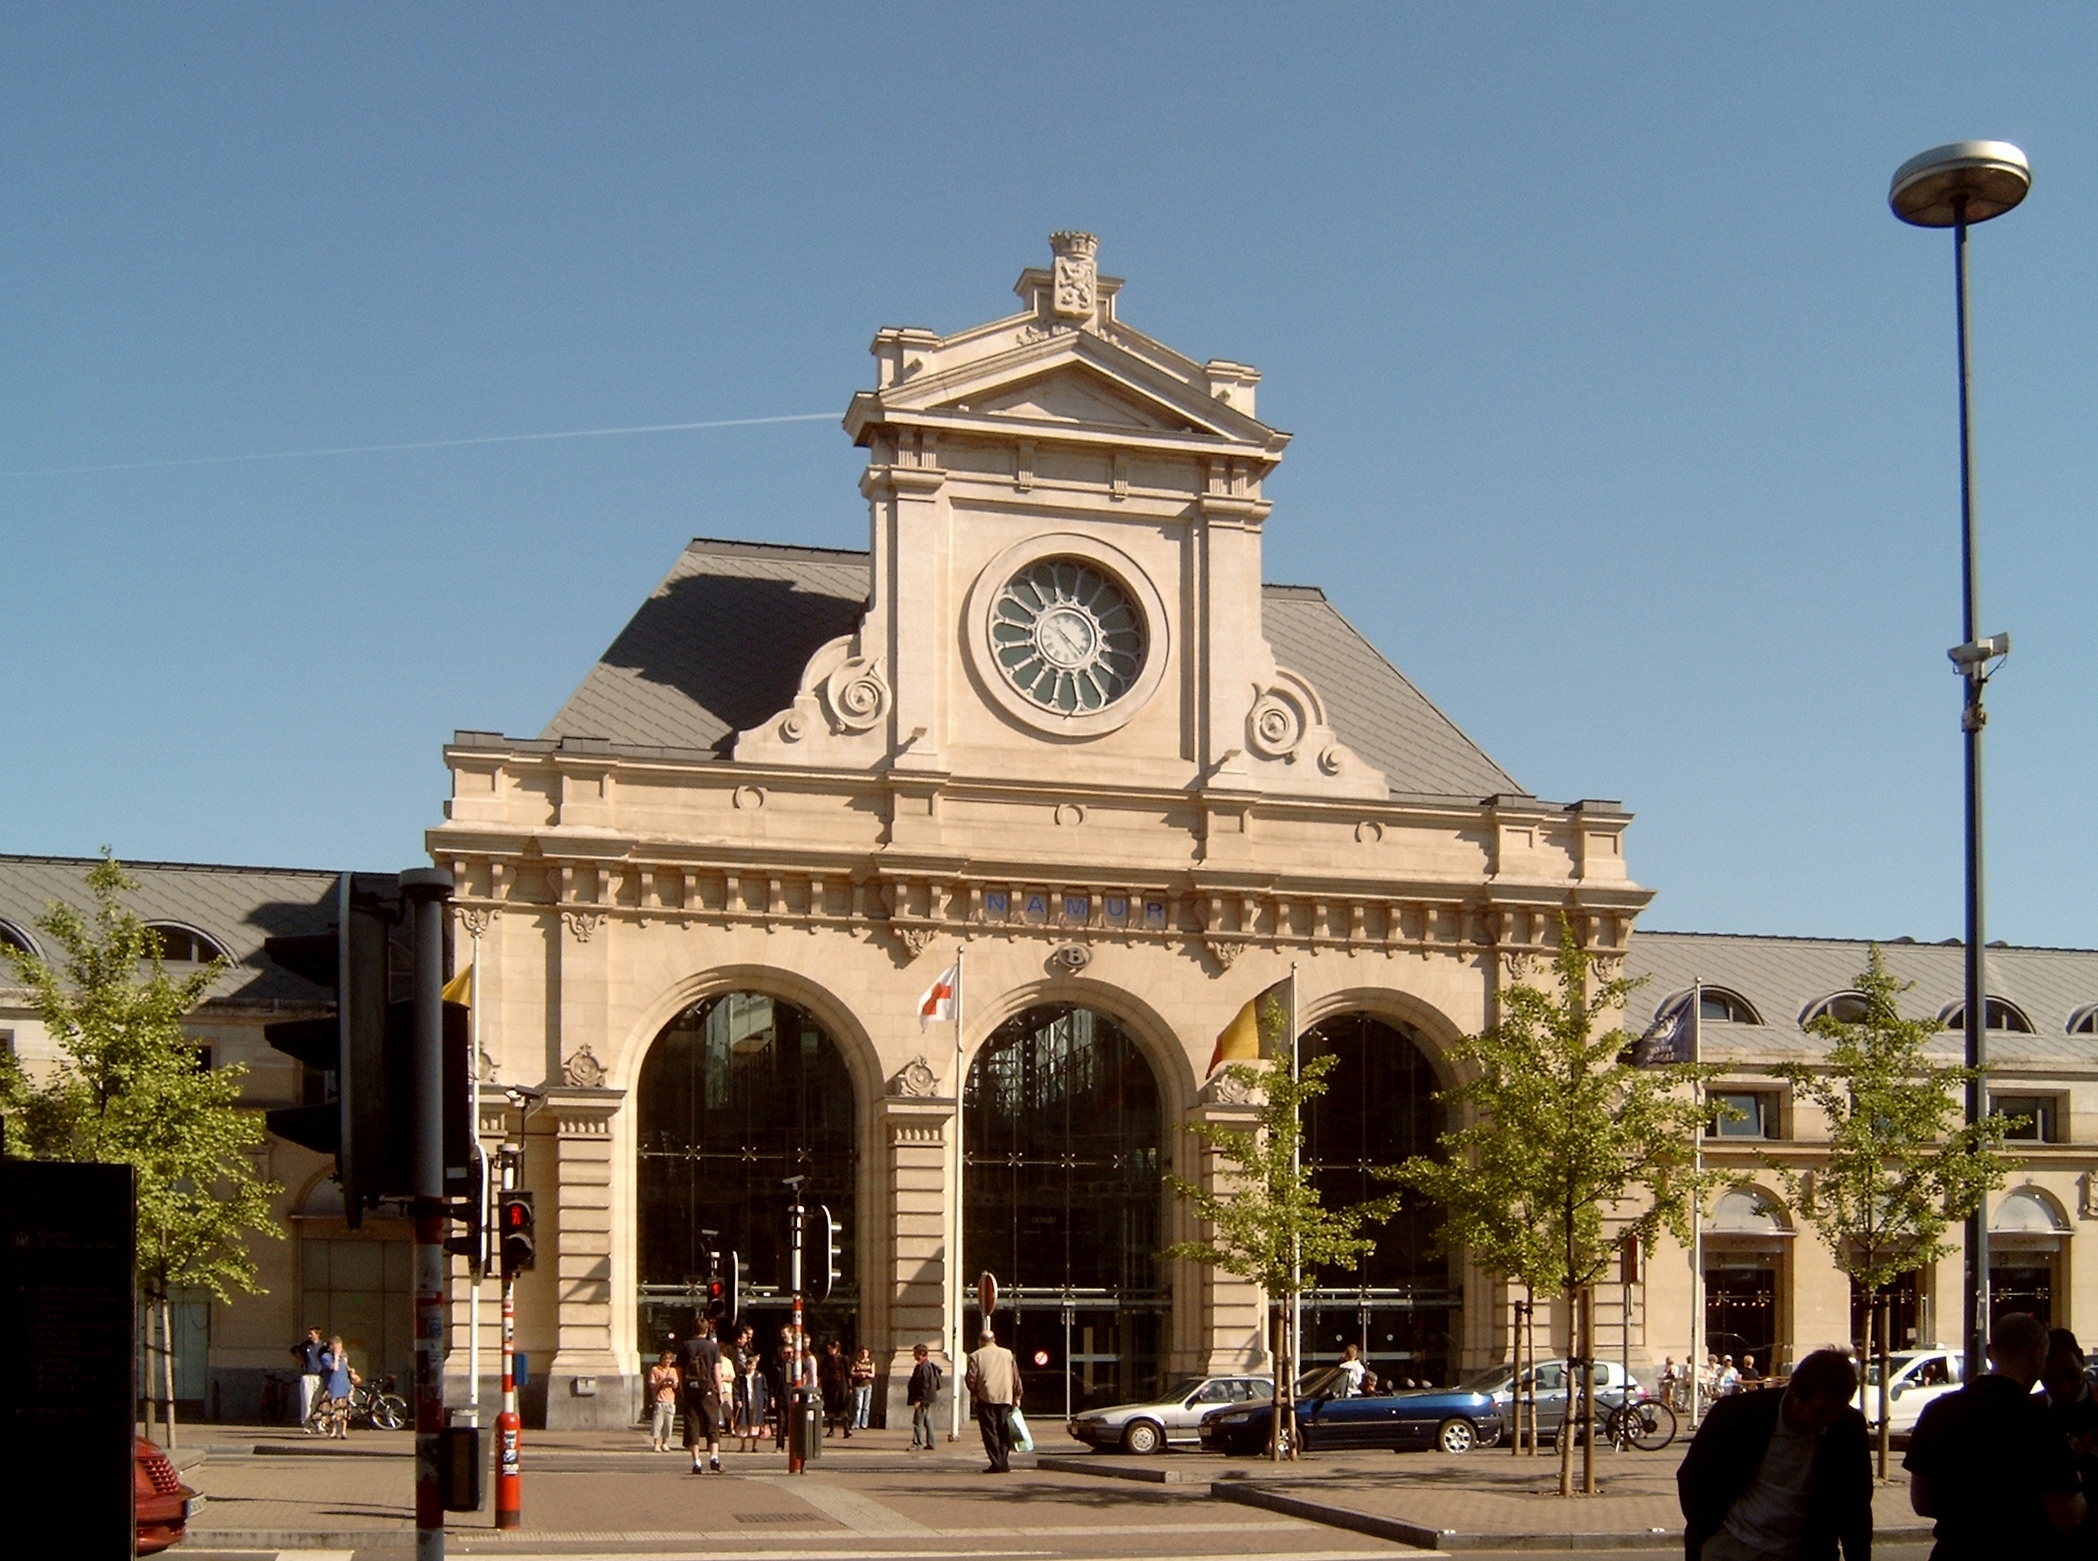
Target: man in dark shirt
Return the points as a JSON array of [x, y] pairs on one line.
[[924, 1392], [2073, 1410], [308, 1354], [1987, 1463], [1781, 1476], [702, 1370]]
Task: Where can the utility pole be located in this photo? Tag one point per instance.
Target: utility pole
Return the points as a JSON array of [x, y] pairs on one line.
[[797, 1391], [427, 889], [509, 1478]]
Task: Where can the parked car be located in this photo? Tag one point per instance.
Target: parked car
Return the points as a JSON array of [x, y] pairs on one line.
[[159, 1498], [1452, 1419], [1914, 1377], [1172, 1417], [1612, 1388]]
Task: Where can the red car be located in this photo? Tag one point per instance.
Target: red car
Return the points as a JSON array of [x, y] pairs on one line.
[[160, 1498]]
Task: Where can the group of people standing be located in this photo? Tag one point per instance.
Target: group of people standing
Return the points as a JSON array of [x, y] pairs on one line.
[[1720, 1378], [326, 1383], [734, 1389], [2004, 1471]]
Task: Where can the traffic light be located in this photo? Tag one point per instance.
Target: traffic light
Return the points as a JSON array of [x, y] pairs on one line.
[[514, 1220], [353, 960], [723, 1290], [365, 1051], [831, 1268]]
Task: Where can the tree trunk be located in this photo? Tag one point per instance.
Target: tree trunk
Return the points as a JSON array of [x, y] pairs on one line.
[[1566, 1420], [1879, 1329], [167, 1362], [1530, 1385], [1515, 1385], [1587, 1357], [1281, 1331]]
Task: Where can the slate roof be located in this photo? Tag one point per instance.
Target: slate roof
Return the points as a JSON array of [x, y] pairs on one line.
[[236, 907], [1782, 977], [719, 646]]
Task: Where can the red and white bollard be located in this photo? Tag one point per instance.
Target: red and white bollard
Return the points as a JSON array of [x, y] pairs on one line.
[[509, 1480]]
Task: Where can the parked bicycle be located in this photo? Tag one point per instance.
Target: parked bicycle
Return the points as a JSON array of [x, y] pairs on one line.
[[374, 1402], [1644, 1423]]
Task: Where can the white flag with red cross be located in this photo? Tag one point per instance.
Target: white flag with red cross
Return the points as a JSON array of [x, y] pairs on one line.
[[937, 1005]]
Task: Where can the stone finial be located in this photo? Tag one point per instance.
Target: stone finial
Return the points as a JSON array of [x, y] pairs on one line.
[[1075, 293]]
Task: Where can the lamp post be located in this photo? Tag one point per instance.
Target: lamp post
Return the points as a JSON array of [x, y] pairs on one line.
[[1955, 187]]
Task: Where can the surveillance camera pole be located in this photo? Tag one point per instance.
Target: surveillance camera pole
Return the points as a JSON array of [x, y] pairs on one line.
[[797, 1391], [1955, 187]]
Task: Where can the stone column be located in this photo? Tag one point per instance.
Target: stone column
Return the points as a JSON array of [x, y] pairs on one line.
[[920, 1168], [1231, 1322], [589, 1386]]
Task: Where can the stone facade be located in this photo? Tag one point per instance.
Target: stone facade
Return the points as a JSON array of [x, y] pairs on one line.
[[1209, 818]]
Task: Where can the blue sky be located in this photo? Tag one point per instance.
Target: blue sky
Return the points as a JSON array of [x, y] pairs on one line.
[[1624, 412]]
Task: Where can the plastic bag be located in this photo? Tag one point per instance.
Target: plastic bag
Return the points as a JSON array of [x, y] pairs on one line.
[[1017, 1424]]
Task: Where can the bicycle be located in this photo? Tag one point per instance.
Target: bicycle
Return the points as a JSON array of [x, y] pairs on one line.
[[1644, 1423], [376, 1404]]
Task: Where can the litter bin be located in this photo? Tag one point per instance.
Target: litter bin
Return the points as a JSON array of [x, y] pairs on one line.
[[808, 1426]]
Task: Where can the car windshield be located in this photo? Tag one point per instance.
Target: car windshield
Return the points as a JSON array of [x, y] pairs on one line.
[[1319, 1380], [1896, 1365], [1489, 1381]]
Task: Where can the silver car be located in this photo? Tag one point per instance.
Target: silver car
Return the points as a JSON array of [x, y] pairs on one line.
[[1174, 1417]]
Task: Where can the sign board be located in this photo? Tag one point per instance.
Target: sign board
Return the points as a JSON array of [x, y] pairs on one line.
[[67, 1316], [987, 1295]]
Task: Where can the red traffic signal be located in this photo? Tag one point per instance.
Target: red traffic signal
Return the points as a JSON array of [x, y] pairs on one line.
[[514, 1221]]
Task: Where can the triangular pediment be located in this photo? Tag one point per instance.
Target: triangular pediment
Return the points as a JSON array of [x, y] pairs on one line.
[[1071, 378], [1076, 394]]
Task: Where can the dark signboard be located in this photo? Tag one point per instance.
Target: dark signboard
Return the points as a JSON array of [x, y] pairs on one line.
[[66, 1374]]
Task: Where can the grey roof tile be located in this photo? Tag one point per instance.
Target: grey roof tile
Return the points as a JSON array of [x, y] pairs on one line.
[[236, 907], [719, 646], [1783, 977]]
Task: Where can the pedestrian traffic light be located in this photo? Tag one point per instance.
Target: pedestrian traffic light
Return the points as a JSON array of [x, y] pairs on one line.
[[723, 1285], [831, 1269], [353, 960], [515, 1222]]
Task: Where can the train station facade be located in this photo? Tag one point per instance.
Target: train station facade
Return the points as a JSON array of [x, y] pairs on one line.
[[1051, 724]]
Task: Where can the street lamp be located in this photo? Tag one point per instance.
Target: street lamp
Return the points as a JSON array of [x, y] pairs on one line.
[[1955, 187]]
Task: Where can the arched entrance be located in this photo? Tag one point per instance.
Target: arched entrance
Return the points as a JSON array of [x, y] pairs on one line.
[[1061, 1199], [1399, 1302], [738, 1093]]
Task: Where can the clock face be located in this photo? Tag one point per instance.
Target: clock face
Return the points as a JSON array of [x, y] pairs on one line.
[[1067, 636]]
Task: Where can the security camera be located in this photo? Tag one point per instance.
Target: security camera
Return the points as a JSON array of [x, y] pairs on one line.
[[1968, 657]]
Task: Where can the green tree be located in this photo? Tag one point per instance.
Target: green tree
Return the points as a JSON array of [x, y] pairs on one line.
[[129, 1087], [1264, 1216], [1563, 1147], [1902, 1166]]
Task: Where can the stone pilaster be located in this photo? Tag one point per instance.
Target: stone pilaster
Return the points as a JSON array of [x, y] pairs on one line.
[[920, 1153], [589, 1386], [1232, 1328]]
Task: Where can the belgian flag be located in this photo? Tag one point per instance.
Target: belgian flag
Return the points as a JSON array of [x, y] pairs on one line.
[[1260, 1029]]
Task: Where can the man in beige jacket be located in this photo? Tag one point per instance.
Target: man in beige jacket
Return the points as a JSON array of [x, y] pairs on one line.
[[994, 1383]]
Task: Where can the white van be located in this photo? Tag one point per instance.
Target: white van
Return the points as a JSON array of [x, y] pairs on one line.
[[1916, 1377]]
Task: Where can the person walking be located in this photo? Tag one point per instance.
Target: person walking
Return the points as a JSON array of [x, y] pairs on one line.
[[662, 1399], [993, 1379], [779, 1376], [1781, 1476], [333, 1415], [923, 1392], [862, 1390], [702, 1369], [834, 1379], [751, 1397], [308, 1352], [1986, 1462]]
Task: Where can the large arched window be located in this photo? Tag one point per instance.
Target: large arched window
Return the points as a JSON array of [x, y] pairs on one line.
[[1398, 1302], [739, 1093], [1062, 1201]]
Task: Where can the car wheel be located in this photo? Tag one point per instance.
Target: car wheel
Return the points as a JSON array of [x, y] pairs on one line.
[[1143, 1437], [1456, 1436]]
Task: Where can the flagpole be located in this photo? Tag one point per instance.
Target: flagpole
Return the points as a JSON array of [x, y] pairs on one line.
[[955, 1281], [1697, 1209], [1296, 1165]]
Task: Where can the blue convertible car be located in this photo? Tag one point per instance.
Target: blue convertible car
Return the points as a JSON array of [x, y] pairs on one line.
[[1450, 1419]]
